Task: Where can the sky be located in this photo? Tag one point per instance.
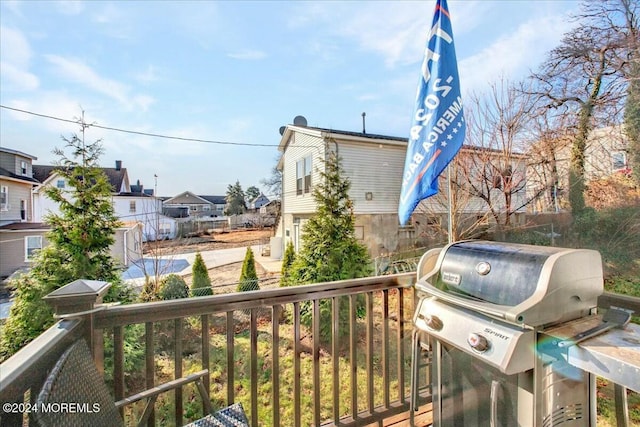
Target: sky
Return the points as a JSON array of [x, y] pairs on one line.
[[231, 73]]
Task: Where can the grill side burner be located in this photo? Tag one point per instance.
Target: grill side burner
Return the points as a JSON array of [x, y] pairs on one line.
[[484, 307]]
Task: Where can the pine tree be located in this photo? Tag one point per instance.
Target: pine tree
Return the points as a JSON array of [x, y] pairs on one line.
[[236, 204], [201, 284], [330, 250], [287, 260], [248, 276], [79, 245]]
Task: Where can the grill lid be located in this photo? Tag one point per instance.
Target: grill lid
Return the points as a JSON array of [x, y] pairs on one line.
[[523, 284]]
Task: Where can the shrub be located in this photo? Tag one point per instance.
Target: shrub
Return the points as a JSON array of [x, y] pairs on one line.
[[201, 284], [248, 277], [287, 261], [173, 287]]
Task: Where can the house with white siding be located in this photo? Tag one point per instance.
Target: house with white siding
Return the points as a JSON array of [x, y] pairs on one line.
[[373, 164]]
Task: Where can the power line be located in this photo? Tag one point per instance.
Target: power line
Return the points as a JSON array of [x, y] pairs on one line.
[[154, 135]]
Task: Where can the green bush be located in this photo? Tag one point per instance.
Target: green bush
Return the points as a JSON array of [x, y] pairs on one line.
[[248, 276], [173, 287], [287, 261], [201, 284]]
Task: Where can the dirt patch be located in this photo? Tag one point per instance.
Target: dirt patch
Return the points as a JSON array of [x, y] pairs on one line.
[[209, 242], [225, 278]]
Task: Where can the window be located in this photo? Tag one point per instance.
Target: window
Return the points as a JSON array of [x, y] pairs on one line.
[[303, 175], [32, 244], [23, 210], [23, 168], [4, 198], [619, 160], [132, 206], [60, 183]]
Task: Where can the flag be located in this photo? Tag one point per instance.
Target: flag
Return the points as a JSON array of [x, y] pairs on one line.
[[438, 126]]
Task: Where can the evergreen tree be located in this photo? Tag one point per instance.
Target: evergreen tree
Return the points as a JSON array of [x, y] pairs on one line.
[[287, 260], [236, 204], [201, 284], [248, 276], [330, 250], [252, 192], [78, 245]]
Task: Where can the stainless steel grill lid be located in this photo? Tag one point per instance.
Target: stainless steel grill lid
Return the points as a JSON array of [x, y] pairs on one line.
[[523, 284]]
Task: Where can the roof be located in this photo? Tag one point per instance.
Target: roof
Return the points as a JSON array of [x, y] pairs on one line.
[[9, 174], [17, 153], [216, 200], [18, 226], [360, 134], [115, 176]]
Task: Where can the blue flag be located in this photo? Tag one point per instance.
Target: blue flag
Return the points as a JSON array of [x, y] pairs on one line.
[[438, 126]]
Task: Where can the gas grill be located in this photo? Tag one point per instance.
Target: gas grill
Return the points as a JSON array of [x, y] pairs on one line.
[[481, 314]]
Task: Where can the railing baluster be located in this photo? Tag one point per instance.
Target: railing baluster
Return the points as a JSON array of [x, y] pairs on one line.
[[369, 361], [254, 368], [316, 362], [275, 371], [385, 349], [230, 358], [204, 322], [296, 365], [118, 363], [401, 391], [353, 355], [335, 339], [178, 367], [149, 361]]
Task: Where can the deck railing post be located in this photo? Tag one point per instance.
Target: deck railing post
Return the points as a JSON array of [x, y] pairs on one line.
[[81, 298]]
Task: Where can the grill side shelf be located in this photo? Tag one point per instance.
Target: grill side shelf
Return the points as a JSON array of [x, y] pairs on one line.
[[613, 355]]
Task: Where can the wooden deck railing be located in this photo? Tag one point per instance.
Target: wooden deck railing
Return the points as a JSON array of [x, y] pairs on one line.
[[255, 345], [360, 375]]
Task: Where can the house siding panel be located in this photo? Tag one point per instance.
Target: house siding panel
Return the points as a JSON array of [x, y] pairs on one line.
[[17, 192], [376, 169], [12, 244], [303, 146]]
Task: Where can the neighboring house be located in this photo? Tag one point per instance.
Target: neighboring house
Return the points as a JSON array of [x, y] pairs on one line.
[[258, 202], [130, 202], [374, 165], [16, 183], [198, 206], [271, 208], [548, 172], [19, 241]]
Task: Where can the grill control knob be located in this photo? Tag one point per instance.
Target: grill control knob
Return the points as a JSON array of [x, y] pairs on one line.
[[478, 342], [433, 322]]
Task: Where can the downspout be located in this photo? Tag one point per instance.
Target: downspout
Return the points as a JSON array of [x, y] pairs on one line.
[[126, 257]]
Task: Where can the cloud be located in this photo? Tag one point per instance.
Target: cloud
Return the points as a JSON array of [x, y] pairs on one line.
[[78, 71], [15, 59], [512, 55], [250, 55]]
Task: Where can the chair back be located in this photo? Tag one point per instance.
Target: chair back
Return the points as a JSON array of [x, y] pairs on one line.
[[75, 394]]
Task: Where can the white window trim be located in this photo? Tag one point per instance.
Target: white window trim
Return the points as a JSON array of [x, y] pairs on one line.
[[4, 206], [26, 246], [624, 157], [24, 169]]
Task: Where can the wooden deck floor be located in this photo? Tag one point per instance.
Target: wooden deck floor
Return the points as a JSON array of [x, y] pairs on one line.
[[423, 418]]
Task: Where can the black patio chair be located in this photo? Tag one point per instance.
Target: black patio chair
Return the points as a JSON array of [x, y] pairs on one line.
[[75, 395]]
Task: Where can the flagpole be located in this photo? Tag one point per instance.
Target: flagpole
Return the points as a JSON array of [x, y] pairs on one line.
[[450, 221]]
